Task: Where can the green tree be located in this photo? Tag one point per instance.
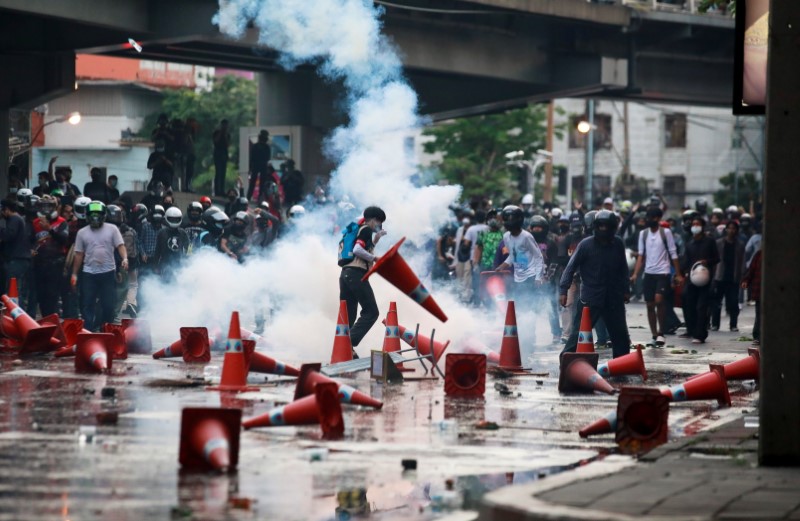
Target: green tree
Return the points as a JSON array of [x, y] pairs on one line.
[[749, 190], [230, 98], [473, 149]]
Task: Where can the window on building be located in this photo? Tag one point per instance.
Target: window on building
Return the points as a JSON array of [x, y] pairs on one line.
[[675, 130], [602, 132]]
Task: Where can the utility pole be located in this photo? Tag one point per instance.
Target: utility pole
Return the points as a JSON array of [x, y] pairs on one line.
[[626, 152], [548, 167], [587, 189]]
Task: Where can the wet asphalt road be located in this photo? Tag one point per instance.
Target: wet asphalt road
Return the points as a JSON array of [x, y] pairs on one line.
[[58, 463]]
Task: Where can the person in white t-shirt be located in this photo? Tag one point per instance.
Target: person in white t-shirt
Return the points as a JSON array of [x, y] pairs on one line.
[[524, 255], [471, 238], [658, 254]]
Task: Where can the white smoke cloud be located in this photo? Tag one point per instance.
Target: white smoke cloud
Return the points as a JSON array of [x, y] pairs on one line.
[[298, 279]]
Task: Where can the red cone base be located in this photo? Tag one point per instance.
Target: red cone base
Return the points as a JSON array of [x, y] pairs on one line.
[[578, 374], [465, 375], [629, 364], [119, 349], [397, 272], [195, 345], [604, 425], [210, 439], [585, 340], [642, 419], [310, 377], [744, 369], [59, 340], [708, 386], [93, 354], [322, 407], [72, 328]]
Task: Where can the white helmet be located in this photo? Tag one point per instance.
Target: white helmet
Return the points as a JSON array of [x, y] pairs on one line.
[[732, 209], [527, 199], [556, 213], [699, 276], [173, 216], [297, 211], [80, 206]]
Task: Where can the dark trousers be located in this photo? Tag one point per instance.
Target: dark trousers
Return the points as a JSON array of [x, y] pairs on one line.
[[670, 317], [601, 330], [612, 311], [18, 269], [221, 167], [102, 286], [695, 310], [49, 277], [262, 178], [729, 291], [188, 172], [355, 293], [757, 324], [69, 297]]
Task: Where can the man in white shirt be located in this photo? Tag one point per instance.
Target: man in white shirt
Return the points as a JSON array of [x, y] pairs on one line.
[[658, 254], [524, 255]]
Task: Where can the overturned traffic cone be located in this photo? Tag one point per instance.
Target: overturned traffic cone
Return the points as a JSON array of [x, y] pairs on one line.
[[234, 365], [629, 364], [394, 269], [321, 407], [7, 327], [642, 419], [58, 340], [93, 354], [743, 369], [261, 363], [585, 340], [495, 284], [174, 350], [465, 375], [33, 337], [310, 377], [210, 438], [342, 347], [195, 345], [707, 386], [510, 358], [578, 373], [604, 425], [119, 348], [71, 327], [473, 345], [423, 343]]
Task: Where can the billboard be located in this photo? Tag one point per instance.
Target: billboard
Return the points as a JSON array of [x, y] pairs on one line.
[[752, 39]]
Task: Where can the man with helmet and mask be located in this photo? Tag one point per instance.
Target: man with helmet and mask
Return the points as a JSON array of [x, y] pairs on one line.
[[148, 238], [523, 256], [95, 246], [127, 281], [215, 221], [266, 229], [193, 225], [546, 294], [51, 236], [604, 282], [172, 243], [233, 242], [701, 256], [138, 217], [570, 244]]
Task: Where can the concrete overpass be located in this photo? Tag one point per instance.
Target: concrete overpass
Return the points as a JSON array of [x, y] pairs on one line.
[[462, 56]]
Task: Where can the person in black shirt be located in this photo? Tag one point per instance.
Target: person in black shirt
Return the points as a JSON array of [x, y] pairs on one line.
[[260, 154], [604, 287], [16, 246], [702, 249], [113, 192], [222, 140], [97, 189], [233, 242], [727, 277], [161, 166]]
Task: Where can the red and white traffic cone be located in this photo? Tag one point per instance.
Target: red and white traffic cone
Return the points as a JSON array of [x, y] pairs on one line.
[[465, 375], [632, 363], [708, 386], [310, 376], [604, 425], [510, 358], [743, 369], [473, 345], [585, 340], [321, 407], [391, 340], [423, 343], [261, 363], [34, 337], [234, 366], [195, 345], [119, 349], [397, 272], [72, 327], [93, 354], [578, 374], [210, 439], [174, 350], [342, 347]]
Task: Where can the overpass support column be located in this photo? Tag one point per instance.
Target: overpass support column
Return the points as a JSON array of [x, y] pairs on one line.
[[779, 437], [284, 98], [5, 134]]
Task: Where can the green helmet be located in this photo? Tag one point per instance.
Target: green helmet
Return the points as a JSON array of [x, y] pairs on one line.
[[96, 214]]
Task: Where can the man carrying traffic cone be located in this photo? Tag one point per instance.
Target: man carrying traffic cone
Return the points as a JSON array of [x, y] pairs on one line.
[[356, 257]]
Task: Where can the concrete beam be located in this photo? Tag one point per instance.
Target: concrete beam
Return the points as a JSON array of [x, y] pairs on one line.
[[571, 9], [125, 15], [30, 80]]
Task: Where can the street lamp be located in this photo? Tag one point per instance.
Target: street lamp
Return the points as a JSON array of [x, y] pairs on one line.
[[584, 127]]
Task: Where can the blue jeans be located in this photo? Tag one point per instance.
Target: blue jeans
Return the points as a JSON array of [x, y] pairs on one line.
[[94, 286]]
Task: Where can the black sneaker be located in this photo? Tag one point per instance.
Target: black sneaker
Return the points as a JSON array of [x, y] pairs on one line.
[[684, 335], [132, 311], [355, 355]]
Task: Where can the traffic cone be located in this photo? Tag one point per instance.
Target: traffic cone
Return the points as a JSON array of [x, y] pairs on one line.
[[643, 419], [13, 293], [8, 328], [72, 327], [744, 369], [391, 340], [209, 438], [424, 343], [473, 345], [119, 348], [707, 386], [34, 338], [58, 340], [585, 340], [195, 345], [234, 368], [632, 363], [174, 350], [604, 425], [310, 377], [397, 272], [342, 347], [93, 354], [495, 284], [510, 358], [578, 374], [465, 375], [137, 336], [321, 407], [261, 363]]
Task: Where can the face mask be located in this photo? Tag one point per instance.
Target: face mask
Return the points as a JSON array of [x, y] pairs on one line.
[[652, 224], [113, 183], [377, 228], [696, 230]]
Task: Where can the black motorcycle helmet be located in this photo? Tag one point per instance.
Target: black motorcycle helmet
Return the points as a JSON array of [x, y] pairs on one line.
[[576, 223], [157, 215], [114, 214], [701, 205], [687, 218], [139, 212], [605, 224], [588, 220], [538, 221], [194, 211], [215, 219], [240, 205], [513, 216]]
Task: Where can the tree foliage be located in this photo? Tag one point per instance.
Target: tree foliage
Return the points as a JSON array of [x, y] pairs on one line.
[[473, 149], [749, 190], [230, 98]]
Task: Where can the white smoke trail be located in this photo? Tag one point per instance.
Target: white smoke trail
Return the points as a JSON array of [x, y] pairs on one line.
[[298, 280]]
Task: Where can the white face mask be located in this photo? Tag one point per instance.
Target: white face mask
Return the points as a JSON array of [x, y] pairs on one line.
[[696, 230]]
